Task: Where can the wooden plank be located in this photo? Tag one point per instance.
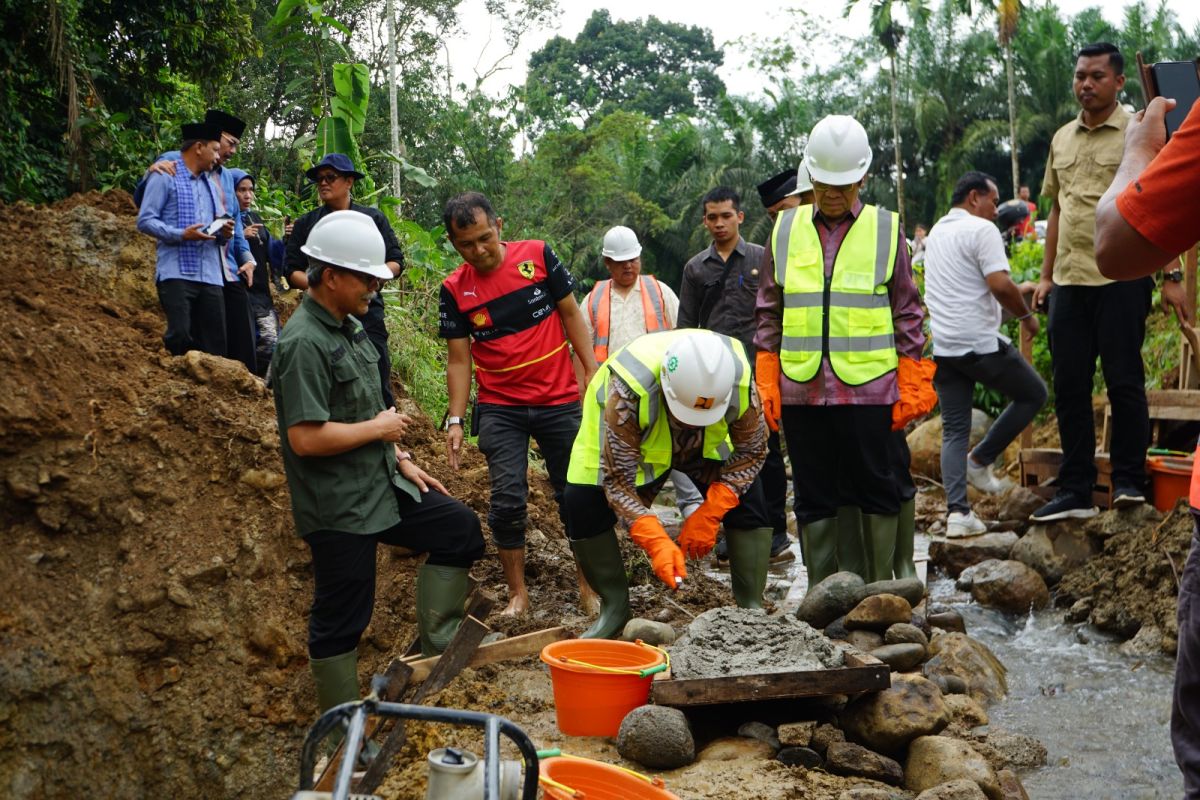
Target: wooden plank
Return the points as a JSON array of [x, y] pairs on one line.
[[466, 640], [490, 653], [771, 686], [479, 605]]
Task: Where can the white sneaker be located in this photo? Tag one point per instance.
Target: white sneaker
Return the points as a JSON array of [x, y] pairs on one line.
[[960, 525], [983, 479]]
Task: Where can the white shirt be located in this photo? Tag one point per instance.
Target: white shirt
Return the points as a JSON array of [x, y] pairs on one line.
[[628, 320], [960, 252]]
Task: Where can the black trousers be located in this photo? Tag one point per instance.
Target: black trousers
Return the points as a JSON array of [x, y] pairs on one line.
[[588, 514], [901, 463], [842, 456], [372, 323], [239, 325], [774, 484], [1110, 322], [1185, 708], [344, 565], [195, 316]]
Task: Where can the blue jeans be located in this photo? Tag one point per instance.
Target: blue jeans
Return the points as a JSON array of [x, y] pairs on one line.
[[504, 433]]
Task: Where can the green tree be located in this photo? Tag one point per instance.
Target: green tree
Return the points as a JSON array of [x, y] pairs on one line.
[[648, 66]]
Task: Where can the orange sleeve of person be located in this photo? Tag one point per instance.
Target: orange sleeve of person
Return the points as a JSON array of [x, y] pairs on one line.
[[1162, 204]]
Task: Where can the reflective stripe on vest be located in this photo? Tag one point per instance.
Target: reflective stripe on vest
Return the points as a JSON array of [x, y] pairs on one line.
[[638, 364], [850, 319], [600, 312]]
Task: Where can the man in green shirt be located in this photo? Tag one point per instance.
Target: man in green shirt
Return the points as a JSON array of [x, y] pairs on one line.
[[352, 486]]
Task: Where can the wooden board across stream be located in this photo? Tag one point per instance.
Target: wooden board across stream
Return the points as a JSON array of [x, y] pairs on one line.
[[862, 673]]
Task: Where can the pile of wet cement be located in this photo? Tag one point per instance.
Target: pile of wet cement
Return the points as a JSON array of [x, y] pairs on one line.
[[744, 641]]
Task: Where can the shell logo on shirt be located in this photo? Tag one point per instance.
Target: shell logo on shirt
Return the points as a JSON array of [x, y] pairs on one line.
[[527, 270], [481, 318]]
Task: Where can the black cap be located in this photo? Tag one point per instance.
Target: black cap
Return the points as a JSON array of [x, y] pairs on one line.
[[226, 122], [774, 189], [1011, 212], [202, 131], [337, 161]]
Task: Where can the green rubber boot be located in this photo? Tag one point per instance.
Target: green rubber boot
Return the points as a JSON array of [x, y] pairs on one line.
[[820, 540], [600, 559], [749, 556], [851, 552], [336, 679], [906, 527], [441, 605], [879, 535]]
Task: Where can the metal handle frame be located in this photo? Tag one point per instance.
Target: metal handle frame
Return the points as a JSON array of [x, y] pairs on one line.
[[357, 713]]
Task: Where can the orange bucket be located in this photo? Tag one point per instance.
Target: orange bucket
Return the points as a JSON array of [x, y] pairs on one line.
[[596, 781], [1172, 479], [598, 681]]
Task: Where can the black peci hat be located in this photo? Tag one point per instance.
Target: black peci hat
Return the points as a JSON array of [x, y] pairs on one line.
[[200, 131], [226, 122], [775, 188]]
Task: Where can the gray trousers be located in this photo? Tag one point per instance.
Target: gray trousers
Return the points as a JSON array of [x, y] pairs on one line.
[[1007, 372]]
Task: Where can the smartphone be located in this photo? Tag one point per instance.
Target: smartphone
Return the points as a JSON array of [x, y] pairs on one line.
[[215, 226], [1177, 80]]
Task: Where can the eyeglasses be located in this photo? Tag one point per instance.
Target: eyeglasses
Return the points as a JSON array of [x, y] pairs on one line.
[[829, 187], [326, 177]]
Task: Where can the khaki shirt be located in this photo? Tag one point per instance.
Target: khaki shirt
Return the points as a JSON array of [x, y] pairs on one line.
[[326, 371], [628, 320], [1080, 167]]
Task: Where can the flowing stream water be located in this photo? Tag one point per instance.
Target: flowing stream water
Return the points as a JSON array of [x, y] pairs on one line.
[[1103, 716]]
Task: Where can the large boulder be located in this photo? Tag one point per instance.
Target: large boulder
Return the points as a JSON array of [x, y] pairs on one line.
[[878, 613], [960, 656], [955, 555], [657, 737], [965, 710], [961, 789], [846, 758], [833, 597], [911, 589], [1051, 550], [934, 760], [925, 442], [887, 721], [1009, 586]]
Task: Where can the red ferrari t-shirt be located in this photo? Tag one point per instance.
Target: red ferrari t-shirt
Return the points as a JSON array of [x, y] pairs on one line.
[[518, 343], [1163, 203]]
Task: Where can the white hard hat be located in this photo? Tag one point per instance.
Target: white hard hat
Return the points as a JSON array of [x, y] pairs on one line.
[[621, 244], [803, 182], [838, 151], [697, 378], [350, 240]]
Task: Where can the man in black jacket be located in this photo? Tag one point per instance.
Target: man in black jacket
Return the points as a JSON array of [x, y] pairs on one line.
[[334, 177]]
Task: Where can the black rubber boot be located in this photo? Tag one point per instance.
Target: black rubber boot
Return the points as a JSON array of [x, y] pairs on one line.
[[749, 555], [600, 559], [441, 605]]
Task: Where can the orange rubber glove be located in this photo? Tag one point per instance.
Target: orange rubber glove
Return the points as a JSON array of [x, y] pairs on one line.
[[665, 558], [917, 395], [766, 378], [699, 532]]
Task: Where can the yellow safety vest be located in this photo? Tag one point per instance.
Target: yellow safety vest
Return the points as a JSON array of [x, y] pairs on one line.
[[639, 364], [847, 317]]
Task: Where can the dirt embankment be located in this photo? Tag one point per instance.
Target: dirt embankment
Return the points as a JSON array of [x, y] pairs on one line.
[[153, 641]]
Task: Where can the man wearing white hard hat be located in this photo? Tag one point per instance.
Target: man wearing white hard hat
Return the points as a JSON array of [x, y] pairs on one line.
[[352, 486], [839, 361], [618, 310], [682, 400]]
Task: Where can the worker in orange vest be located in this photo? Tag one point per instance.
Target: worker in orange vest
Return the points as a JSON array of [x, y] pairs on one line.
[[618, 310]]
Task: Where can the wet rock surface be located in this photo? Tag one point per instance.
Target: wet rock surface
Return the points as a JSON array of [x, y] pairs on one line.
[[934, 760], [1007, 585], [887, 721], [833, 597], [960, 656], [878, 613], [955, 555], [847, 758]]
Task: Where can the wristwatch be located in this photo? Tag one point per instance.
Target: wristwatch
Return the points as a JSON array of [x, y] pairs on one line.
[[1175, 275], [453, 421]]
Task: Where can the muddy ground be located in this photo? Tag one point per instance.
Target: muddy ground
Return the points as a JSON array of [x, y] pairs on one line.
[[153, 643]]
